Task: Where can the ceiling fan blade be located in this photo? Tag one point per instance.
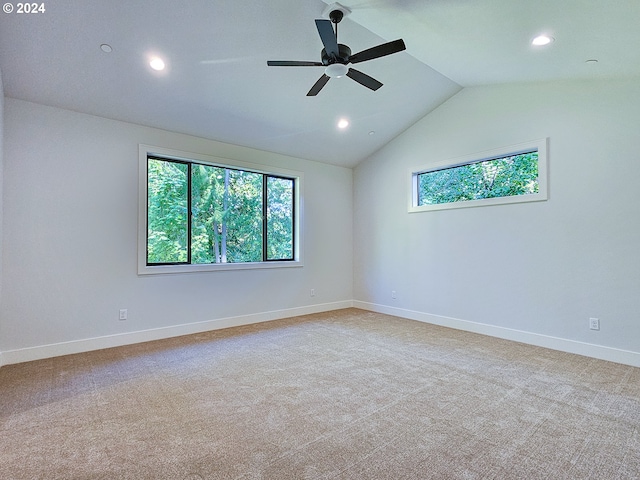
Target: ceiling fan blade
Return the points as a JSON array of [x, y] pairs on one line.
[[328, 37], [322, 81], [379, 51], [364, 79], [292, 63]]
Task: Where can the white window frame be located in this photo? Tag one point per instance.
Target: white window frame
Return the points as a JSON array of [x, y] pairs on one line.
[[540, 145], [148, 150]]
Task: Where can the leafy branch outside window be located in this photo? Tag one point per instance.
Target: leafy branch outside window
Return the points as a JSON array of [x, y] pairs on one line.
[[501, 177], [199, 214]]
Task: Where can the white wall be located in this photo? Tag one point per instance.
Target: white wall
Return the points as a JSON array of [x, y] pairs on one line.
[[541, 269], [533, 272], [70, 232]]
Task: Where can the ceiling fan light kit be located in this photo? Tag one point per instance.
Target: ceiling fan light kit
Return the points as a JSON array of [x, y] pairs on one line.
[[336, 57], [336, 70]]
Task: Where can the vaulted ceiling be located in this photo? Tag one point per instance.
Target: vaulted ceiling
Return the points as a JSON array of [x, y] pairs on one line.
[[217, 84]]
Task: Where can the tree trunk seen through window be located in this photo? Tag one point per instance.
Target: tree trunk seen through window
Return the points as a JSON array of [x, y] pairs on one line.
[[235, 215]]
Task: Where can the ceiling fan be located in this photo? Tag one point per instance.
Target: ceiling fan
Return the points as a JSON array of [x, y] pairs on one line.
[[336, 57]]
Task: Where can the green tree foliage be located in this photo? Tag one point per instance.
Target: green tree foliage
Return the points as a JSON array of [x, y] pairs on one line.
[[279, 218], [167, 212], [227, 214], [501, 177]]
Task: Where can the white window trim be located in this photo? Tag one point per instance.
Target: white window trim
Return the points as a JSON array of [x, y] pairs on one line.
[[541, 145], [149, 150]]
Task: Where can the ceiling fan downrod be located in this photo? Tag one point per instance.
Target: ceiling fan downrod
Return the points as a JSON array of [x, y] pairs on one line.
[[336, 16]]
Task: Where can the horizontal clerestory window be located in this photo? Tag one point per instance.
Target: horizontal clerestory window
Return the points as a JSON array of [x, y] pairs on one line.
[[515, 174], [200, 215]]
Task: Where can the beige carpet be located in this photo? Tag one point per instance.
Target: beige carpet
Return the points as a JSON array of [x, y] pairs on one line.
[[340, 395]]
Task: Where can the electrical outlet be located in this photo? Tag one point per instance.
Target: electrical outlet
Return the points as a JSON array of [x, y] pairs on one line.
[[393, 294], [594, 324], [123, 314], [313, 292]]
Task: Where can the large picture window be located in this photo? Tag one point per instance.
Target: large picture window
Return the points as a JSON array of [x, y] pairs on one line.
[[510, 175], [200, 214]]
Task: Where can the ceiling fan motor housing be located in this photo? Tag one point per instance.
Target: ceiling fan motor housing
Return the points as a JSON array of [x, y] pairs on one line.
[[344, 53]]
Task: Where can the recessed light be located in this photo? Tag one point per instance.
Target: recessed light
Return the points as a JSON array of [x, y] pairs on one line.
[[106, 48], [343, 123], [157, 63], [542, 40]]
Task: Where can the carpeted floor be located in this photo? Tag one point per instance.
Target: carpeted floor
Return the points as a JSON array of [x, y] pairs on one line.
[[340, 395]]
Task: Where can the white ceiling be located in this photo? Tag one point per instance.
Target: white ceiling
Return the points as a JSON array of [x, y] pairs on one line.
[[217, 84]]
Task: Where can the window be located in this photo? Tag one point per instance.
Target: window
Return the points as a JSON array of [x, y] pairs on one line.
[[509, 175], [202, 213]]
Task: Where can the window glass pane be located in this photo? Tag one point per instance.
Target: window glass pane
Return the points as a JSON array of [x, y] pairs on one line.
[[206, 214], [279, 218], [227, 215], [167, 219], [244, 217], [500, 177], [206, 208]]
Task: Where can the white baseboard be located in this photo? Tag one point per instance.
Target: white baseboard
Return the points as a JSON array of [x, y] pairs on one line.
[[625, 357], [118, 340], [85, 345]]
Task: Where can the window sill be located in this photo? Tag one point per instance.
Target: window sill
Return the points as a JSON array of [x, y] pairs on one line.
[[214, 267], [485, 202]]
